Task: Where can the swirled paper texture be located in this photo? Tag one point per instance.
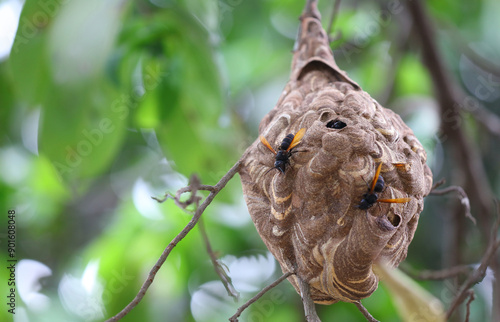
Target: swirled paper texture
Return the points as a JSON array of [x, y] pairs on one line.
[[308, 216]]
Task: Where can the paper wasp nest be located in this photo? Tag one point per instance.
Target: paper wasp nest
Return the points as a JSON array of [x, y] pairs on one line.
[[308, 217]]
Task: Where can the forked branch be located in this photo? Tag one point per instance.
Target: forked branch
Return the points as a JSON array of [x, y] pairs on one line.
[[479, 273], [464, 200], [194, 186]]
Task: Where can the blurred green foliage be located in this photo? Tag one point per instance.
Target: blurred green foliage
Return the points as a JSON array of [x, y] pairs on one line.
[[104, 104]]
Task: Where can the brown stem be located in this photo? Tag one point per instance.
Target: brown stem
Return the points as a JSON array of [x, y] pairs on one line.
[[397, 51], [333, 16], [438, 184], [471, 298], [464, 200], [365, 312], [309, 306], [478, 273], [476, 58], [190, 188], [438, 274], [447, 95], [484, 116], [476, 181], [225, 279]]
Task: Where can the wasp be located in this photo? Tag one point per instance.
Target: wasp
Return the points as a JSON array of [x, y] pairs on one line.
[[285, 149], [377, 186]]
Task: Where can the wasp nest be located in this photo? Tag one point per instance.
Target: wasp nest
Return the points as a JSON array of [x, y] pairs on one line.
[[309, 216]]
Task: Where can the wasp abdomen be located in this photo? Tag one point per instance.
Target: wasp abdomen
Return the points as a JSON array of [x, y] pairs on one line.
[[287, 141]]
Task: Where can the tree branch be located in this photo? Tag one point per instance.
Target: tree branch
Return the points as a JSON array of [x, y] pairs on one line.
[[199, 211], [438, 184], [365, 312], [479, 273], [438, 274], [476, 181], [447, 95], [309, 306], [193, 187], [490, 120], [464, 200], [226, 280], [476, 58], [471, 298], [266, 289], [333, 16]]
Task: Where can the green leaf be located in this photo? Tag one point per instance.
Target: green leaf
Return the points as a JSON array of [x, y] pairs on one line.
[[58, 64], [412, 77], [30, 66], [81, 136], [183, 93], [6, 102]]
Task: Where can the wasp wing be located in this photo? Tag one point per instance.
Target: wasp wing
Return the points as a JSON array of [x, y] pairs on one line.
[[297, 138], [397, 200], [375, 178], [402, 166], [264, 141]]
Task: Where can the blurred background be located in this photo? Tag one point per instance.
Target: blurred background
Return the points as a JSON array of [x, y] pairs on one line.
[[105, 104]]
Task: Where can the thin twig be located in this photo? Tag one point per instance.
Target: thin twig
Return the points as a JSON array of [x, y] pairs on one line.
[[333, 17], [480, 61], [397, 51], [464, 200], [266, 289], [179, 192], [438, 274], [309, 306], [226, 280], [437, 184], [476, 58], [199, 211], [471, 298], [490, 120], [194, 185], [365, 312], [478, 273], [448, 98]]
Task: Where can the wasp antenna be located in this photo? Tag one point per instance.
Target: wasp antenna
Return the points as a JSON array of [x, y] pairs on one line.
[[269, 170]]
